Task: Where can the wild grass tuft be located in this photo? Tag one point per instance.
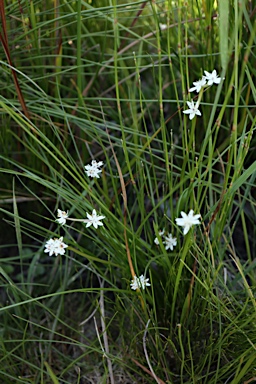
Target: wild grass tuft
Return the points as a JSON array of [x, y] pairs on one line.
[[109, 82]]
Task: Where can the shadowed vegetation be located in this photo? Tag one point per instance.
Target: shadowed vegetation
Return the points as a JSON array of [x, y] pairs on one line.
[[109, 81]]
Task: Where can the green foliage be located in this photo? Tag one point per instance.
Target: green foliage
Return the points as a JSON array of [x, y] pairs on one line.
[[109, 81]]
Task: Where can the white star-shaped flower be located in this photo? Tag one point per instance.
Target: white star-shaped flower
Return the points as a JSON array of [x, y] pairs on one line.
[[93, 219], [198, 85], [156, 241], [62, 217], [139, 283], [212, 77], [55, 246], [170, 242], [97, 164], [50, 246], [193, 109], [187, 221], [93, 170]]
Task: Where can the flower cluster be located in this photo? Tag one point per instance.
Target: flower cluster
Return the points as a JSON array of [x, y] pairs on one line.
[[186, 221], [169, 241], [55, 246], [94, 170], [207, 80]]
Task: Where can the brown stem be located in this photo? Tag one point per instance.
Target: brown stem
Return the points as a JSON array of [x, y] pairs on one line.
[[4, 41], [133, 23]]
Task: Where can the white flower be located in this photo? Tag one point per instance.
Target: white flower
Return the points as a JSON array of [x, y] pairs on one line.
[[55, 246], [212, 77], [93, 219], [193, 109], [198, 85], [170, 242], [162, 26], [156, 241], [97, 164], [60, 246], [93, 170], [187, 221], [50, 246], [139, 282], [62, 217]]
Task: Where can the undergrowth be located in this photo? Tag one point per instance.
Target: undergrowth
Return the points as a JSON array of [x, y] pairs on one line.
[[110, 81]]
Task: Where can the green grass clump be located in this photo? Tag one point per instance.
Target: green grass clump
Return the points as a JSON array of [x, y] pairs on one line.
[[109, 82]]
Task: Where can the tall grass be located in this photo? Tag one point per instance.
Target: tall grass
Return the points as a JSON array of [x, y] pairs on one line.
[[109, 81]]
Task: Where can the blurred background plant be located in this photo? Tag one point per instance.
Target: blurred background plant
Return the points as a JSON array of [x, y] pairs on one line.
[[109, 81]]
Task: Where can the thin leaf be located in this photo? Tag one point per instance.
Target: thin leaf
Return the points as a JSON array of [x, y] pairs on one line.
[[223, 31]]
